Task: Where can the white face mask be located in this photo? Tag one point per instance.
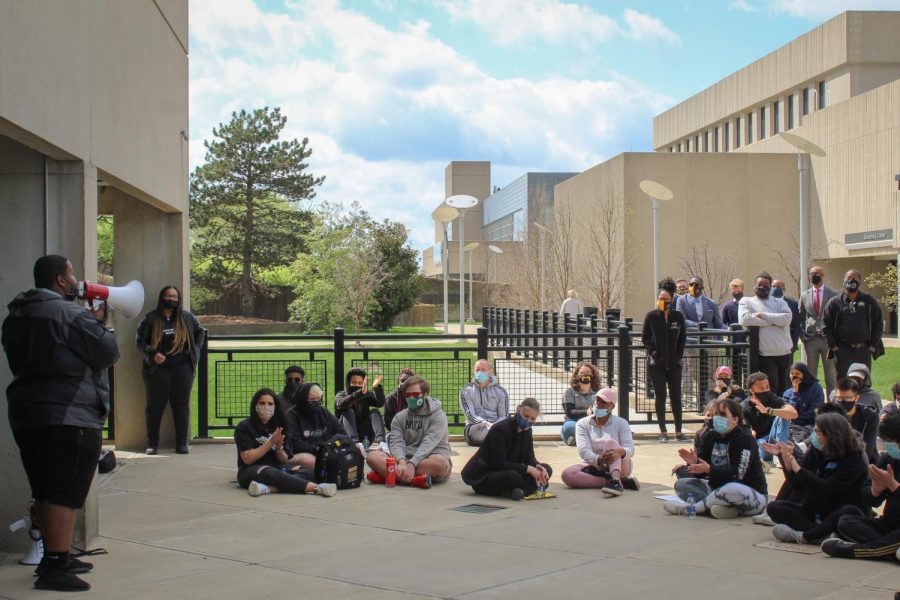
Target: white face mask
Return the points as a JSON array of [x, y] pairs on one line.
[[265, 412]]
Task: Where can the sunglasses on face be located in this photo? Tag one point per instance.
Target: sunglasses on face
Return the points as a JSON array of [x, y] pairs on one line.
[[294, 379]]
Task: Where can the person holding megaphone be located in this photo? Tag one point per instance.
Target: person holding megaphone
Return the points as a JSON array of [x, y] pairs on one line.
[[170, 339]]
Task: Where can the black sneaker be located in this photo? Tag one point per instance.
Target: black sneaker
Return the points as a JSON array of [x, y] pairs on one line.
[[74, 566], [182, 449], [837, 548], [681, 437], [631, 483], [517, 494], [60, 580], [613, 488]]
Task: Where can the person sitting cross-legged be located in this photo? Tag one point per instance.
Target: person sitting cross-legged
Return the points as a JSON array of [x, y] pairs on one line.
[[357, 408], [728, 480], [880, 537], [606, 446], [767, 415], [505, 463], [264, 452], [419, 441], [484, 402], [830, 477], [310, 424]]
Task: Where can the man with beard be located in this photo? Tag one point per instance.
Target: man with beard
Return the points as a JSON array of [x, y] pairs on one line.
[[309, 424]]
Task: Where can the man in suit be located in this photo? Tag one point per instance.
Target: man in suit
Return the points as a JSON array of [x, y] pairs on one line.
[[696, 307], [778, 292], [729, 309], [812, 309]]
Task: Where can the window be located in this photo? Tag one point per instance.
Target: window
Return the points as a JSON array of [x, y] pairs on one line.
[[790, 107], [821, 94], [725, 136], [679, 146], [706, 141], [762, 122], [697, 144], [805, 110], [687, 145], [737, 133], [749, 127], [716, 141], [776, 117]]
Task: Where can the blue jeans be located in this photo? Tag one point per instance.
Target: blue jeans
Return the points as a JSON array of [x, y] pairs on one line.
[[568, 429], [780, 432]]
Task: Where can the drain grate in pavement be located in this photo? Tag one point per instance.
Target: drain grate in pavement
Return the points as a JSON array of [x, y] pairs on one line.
[[478, 509]]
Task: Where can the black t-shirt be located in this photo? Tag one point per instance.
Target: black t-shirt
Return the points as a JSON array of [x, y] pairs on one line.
[[246, 437], [165, 345], [760, 423]]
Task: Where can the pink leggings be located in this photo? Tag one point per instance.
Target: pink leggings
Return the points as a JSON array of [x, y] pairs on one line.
[[583, 476]]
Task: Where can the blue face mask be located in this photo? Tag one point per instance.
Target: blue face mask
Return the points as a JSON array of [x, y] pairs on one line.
[[777, 293], [720, 424], [522, 422], [893, 449], [815, 441], [600, 412], [481, 376]]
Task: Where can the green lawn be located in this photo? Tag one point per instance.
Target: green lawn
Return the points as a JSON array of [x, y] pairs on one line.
[[885, 371]]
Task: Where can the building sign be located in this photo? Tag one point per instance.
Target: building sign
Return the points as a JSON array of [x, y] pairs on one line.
[[869, 239]]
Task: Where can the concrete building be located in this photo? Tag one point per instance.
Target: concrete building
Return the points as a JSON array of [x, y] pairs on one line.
[[93, 120]]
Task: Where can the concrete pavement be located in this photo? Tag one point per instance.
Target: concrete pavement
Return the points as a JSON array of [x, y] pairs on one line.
[[178, 527]]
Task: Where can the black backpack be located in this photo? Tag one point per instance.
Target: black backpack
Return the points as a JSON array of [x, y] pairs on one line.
[[339, 461]]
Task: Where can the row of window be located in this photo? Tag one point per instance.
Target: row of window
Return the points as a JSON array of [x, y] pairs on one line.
[[754, 124]]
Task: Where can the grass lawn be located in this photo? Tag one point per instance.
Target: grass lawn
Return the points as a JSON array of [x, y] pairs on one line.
[[885, 372]]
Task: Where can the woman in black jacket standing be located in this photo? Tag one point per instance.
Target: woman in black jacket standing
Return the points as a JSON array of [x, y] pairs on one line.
[[170, 339], [664, 338]]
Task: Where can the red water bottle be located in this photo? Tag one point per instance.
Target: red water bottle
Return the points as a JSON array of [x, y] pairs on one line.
[[390, 479]]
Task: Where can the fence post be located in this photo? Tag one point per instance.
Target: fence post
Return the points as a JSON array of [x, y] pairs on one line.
[[554, 321], [203, 389], [624, 371], [610, 352], [702, 367], [738, 355], [482, 343], [595, 341], [754, 349], [485, 320], [517, 328], [526, 328], [338, 359]]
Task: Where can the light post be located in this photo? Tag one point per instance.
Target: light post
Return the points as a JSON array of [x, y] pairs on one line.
[[544, 230], [443, 214], [803, 145], [657, 192], [470, 248], [461, 202]]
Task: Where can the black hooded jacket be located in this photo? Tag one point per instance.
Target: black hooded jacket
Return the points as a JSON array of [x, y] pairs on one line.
[[58, 354], [664, 338], [309, 426]]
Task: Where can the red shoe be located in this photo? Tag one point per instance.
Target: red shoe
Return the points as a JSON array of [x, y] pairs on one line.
[[374, 477], [421, 481]]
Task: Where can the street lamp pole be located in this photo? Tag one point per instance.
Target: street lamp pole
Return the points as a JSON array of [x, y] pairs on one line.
[[657, 192], [443, 214], [470, 248], [461, 202]]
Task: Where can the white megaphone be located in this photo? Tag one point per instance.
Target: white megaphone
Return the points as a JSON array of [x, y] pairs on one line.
[[36, 550], [128, 299]]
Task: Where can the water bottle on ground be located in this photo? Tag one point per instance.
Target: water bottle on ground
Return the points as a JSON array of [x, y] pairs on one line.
[[690, 510]]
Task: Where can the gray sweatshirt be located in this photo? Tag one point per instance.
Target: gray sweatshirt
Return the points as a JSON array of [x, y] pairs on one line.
[[415, 435], [774, 326], [489, 403]]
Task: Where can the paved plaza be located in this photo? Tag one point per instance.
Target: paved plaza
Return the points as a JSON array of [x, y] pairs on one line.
[[179, 527]]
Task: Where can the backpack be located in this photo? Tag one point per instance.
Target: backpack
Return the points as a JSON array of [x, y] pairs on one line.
[[339, 461]]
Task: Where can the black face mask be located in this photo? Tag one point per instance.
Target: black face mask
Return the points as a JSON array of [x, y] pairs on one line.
[[726, 381], [763, 396], [762, 291], [816, 279], [354, 388], [290, 388], [737, 295], [173, 304], [847, 404], [71, 292], [851, 285]]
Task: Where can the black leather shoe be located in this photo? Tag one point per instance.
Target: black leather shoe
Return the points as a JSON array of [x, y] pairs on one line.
[[182, 449]]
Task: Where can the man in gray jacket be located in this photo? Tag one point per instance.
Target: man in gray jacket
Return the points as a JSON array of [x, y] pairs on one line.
[[419, 440], [484, 402], [773, 318], [812, 309], [58, 353]]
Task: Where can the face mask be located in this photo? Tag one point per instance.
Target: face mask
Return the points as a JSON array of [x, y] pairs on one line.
[[815, 441], [522, 422], [893, 449], [353, 389], [663, 305], [720, 424], [763, 396], [290, 388], [173, 304], [600, 412], [816, 279], [737, 295], [481, 376], [315, 403], [681, 291], [415, 402], [71, 292], [265, 412], [586, 378], [777, 293], [696, 290], [726, 381], [762, 291], [851, 285], [847, 404]]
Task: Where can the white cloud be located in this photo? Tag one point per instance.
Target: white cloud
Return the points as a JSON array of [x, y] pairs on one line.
[[643, 27], [742, 5], [386, 109], [820, 10]]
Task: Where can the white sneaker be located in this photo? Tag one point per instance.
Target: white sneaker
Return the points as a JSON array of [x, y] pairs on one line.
[[327, 489], [258, 489], [763, 519], [717, 511], [675, 508], [570, 441]]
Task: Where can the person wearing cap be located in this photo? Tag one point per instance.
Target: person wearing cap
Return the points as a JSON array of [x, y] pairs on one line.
[[606, 446], [725, 387], [867, 396], [853, 326], [812, 326]]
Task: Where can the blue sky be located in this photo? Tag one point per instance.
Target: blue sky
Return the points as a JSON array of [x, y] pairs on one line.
[[389, 91]]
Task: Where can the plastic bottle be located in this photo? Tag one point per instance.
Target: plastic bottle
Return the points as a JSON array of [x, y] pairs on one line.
[[690, 510], [366, 442], [390, 479]]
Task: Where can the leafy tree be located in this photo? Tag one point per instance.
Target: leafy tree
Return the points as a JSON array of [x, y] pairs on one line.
[[887, 281], [402, 284], [105, 245], [247, 201]]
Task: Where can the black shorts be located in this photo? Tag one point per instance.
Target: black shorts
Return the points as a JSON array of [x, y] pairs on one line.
[[60, 461]]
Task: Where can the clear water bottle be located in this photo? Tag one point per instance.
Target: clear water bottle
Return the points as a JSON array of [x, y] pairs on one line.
[[690, 511], [366, 442]]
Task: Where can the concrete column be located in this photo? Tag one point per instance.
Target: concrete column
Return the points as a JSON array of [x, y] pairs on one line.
[[151, 246]]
